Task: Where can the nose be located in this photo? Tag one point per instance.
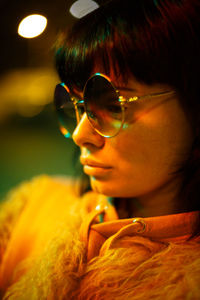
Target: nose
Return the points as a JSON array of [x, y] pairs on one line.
[[85, 135]]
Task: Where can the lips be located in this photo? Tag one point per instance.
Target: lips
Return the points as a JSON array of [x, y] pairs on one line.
[[94, 168], [89, 162]]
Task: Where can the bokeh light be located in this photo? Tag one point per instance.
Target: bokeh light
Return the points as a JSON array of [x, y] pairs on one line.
[[26, 92], [81, 8], [32, 26]]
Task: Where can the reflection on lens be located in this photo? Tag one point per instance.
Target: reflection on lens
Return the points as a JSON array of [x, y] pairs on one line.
[[67, 119], [103, 108], [65, 110], [65, 132]]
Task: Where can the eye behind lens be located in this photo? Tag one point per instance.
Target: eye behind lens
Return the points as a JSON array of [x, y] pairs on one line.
[[102, 106]]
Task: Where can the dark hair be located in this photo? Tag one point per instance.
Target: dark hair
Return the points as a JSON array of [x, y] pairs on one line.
[[156, 41]]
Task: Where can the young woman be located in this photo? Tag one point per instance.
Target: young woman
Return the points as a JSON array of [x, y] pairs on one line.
[[129, 98]]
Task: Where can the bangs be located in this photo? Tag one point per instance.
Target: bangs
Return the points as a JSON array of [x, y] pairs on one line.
[[133, 38]]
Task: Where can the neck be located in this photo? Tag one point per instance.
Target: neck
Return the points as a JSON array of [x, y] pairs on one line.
[[162, 201]]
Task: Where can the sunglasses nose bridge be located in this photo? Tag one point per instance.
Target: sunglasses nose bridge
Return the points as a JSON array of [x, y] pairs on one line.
[[78, 117], [79, 110]]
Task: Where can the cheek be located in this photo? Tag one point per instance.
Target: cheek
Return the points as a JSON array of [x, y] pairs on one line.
[[151, 149], [165, 132]]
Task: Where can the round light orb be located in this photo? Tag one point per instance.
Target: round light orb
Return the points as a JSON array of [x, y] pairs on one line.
[[81, 8], [32, 26]]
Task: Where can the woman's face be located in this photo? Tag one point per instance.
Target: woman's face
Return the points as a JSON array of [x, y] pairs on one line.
[[143, 156]]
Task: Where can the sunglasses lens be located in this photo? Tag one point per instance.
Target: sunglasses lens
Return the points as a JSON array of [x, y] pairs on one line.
[[103, 109], [65, 110]]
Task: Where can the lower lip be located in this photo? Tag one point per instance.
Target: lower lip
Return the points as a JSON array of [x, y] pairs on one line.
[[95, 171]]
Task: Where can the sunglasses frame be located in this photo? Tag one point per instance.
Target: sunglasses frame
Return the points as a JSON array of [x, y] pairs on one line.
[[121, 99]]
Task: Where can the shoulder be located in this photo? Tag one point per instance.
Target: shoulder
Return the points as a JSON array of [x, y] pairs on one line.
[[37, 187], [46, 190], [39, 193]]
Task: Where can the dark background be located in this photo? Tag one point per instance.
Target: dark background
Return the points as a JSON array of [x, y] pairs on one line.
[[30, 142]]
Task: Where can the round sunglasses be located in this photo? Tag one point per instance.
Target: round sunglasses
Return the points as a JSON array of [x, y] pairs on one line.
[[103, 105]]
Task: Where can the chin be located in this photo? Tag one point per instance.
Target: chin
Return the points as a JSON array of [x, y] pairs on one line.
[[114, 189], [106, 188]]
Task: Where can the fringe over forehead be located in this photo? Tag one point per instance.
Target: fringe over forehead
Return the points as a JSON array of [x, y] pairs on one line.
[[156, 41]]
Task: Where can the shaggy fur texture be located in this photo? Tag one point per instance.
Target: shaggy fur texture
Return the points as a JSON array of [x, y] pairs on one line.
[[134, 268]]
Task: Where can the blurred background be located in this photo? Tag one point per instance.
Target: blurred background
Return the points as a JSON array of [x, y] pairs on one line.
[[30, 141]]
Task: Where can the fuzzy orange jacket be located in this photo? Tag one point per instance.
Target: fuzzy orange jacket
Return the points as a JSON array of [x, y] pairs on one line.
[[57, 245]]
